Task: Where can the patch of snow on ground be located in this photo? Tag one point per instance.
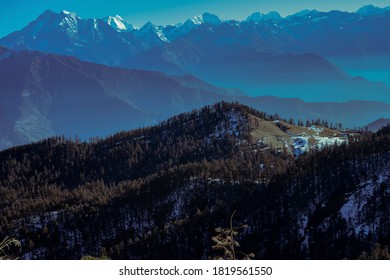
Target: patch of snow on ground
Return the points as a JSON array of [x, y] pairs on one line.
[[356, 203], [301, 145], [322, 142], [317, 130], [162, 36]]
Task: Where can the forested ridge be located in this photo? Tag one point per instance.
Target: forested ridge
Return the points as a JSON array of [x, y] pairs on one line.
[[159, 192]]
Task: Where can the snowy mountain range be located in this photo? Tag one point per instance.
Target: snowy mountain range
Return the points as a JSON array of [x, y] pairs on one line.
[[305, 31], [118, 23], [262, 55]]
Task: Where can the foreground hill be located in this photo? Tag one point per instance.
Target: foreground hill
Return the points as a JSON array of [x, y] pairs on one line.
[[159, 192]]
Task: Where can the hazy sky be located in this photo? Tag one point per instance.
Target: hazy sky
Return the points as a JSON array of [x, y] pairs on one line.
[[14, 15]]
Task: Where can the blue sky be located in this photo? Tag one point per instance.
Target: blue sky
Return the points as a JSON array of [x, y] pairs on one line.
[[14, 15]]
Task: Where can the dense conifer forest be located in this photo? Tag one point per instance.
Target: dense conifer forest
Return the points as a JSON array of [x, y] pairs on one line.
[[159, 192]]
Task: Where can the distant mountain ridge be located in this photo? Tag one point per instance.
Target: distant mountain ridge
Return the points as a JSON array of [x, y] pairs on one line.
[[263, 56], [378, 124], [46, 94], [281, 34]]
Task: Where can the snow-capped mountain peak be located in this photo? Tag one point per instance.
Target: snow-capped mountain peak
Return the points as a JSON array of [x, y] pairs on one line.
[[206, 18], [151, 34], [69, 14], [193, 23], [70, 22], [118, 23], [148, 27], [197, 20]]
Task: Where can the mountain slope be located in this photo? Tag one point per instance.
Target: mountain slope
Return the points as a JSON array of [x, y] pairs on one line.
[[242, 56], [334, 112], [378, 124], [159, 193], [46, 94], [67, 34]]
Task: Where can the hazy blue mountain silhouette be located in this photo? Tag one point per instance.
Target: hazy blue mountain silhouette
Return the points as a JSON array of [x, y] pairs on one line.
[[47, 94]]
